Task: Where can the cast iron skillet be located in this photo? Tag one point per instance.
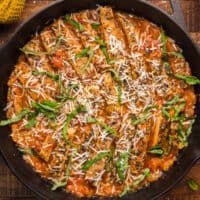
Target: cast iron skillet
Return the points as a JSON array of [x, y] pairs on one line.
[[175, 28]]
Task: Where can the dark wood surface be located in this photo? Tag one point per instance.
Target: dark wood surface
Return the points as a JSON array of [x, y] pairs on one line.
[[12, 189]]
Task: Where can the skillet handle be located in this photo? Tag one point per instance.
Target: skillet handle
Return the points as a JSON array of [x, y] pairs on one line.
[[178, 14]]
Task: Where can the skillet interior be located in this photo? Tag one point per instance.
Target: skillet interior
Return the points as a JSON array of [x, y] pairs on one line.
[[8, 58]]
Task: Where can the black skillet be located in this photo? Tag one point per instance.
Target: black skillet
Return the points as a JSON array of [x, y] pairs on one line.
[[175, 28]]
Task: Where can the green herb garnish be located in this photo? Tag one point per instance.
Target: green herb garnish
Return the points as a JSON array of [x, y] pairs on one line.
[[104, 50], [148, 108], [48, 108], [165, 53], [99, 157], [30, 152], [170, 142], [122, 165], [164, 44], [165, 112], [119, 82], [90, 55], [192, 184], [58, 42], [103, 125], [184, 133], [78, 109], [32, 120], [34, 53], [190, 80], [171, 104], [145, 174], [174, 100], [177, 112], [17, 118], [64, 183], [67, 96], [95, 25], [46, 105], [27, 151], [110, 158], [176, 54], [167, 67], [54, 77], [74, 23], [136, 120], [83, 53], [156, 150]]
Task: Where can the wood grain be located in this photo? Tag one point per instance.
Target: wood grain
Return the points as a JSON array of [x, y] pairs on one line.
[[12, 189]]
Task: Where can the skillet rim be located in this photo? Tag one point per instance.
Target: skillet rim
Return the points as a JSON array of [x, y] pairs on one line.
[[6, 45]]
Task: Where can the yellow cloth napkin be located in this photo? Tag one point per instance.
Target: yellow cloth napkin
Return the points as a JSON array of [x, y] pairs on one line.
[[10, 10]]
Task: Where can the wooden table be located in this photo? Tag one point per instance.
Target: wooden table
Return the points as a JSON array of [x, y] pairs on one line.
[[12, 189]]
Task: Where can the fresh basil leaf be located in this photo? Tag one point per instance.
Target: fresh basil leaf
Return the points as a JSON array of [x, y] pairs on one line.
[[99, 157], [48, 108], [110, 158], [65, 98], [145, 115], [70, 87], [119, 82], [176, 54], [174, 100], [165, 113], [95, 25], [91, 120], [31, 123], [50, 104], [57, 45], [136, 120], [159, 152], [83, 53], [74, 23], [189, 130], [104, 50], [30, 152], [165, 57], [15, 119], [78, 109], [58, 185], [170, 142], [100, 42], [103, 125], [179, 109], [145, 174], [167, 68], [43, 108], [192, 184], [164, 43], [64, 183], [91, 54], [122, 165], [182, 135], [148, 108], [157, 149], [190, 80], [54, 77], [34, 53], [27, 151]]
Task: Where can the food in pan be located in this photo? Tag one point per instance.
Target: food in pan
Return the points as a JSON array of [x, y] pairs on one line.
[[100, 102]]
